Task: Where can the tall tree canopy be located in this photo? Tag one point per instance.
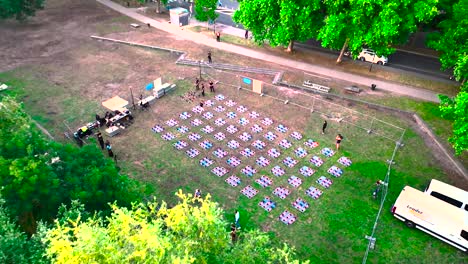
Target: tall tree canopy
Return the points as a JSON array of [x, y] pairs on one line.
[[376, 24], [205, 10], [19, 9], [34, 186], [452, 40], [456, 109], [192, 231], [15, 247], [452, 43], [280, 22]]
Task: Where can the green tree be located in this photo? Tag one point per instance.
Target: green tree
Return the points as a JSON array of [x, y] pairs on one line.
[[19, 9], [191, 231], [205, 10], [376, 24], [281, 22], [30, 187], [456, 109], [15, 247], [34, 186], [451, 40]]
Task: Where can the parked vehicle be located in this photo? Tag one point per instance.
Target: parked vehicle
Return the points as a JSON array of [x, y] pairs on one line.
[[370, 56], [448, 193], [432, 215]]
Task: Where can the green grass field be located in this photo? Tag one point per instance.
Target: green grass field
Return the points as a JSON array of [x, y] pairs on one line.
[[333, 228]]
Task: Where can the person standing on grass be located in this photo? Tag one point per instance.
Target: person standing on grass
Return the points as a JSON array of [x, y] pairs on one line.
[[324, 126], [236, 217], [100, 140], [197, 84], [338, 138], [218, 36], [197, 193], [376, 191], [209, 57], [212, 86]]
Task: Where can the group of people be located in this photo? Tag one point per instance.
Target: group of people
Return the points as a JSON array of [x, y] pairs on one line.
[[106, 144], [338, 137], [107, 119], [201, 86], [86, 131]]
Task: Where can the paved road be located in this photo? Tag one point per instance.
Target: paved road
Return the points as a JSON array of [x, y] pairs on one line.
[[403, 60], [230, 4], [301, 66], [226, 19]]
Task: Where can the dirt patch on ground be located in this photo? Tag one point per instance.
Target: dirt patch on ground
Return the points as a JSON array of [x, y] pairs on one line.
[[51, 33]]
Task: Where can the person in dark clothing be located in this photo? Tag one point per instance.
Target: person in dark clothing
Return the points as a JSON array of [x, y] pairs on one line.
[[100, 120], [324, 126], [203, 90], [212, 87], [233, 236], [218, 36], [209, 57], [143, 106], [148, 25], [100, 140], [109, 149], [78, 140], [197, 81], [246, 34]]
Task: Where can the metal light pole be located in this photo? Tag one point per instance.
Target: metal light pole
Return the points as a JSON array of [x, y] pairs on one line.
[[372, 63], [199, 67]]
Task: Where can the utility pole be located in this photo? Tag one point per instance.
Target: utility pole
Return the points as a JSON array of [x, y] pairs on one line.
[[372, 63], [199, 67]]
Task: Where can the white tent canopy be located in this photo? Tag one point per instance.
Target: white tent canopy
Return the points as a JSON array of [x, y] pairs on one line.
[[115, 103]]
